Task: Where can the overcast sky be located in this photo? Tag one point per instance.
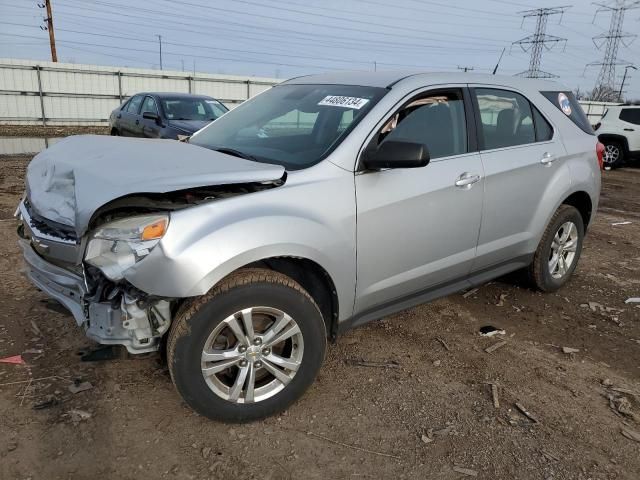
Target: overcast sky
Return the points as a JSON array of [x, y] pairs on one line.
[[285, 38]]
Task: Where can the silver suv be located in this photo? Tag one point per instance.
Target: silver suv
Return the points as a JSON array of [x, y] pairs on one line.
[[619, 131], [322, 204]]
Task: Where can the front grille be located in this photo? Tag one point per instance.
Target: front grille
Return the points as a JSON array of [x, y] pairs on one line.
[[49, 227]]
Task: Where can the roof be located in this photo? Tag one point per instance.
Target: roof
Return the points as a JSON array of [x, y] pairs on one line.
[[386, 79], [174, 95]]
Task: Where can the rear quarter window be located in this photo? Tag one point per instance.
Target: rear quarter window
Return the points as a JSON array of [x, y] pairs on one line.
[[566, 102]]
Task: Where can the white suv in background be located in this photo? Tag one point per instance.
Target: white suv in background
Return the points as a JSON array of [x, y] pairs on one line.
[[619, 131]]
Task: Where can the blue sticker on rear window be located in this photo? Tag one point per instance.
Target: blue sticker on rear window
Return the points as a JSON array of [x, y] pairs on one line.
[[565, 104]]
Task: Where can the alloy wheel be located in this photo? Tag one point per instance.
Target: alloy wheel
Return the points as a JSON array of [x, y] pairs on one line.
[[563, 250], [252, 355], [611, 154]]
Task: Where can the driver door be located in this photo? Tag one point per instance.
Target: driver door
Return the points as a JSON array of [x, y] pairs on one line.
[[417, 228]]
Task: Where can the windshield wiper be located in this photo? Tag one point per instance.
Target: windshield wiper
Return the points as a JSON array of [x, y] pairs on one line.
[[236, 153]]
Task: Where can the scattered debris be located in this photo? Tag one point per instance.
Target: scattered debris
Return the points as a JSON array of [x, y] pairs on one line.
[[205, 452], [606, 382], [490, 331], [501, 300], [632, 300], [426, 439], [103, 352], [77, 386], [35, 328], [437, 363], [466, 471], [615, 224], [444, 344], [367, 363], [526, 413], [49, 402], [625, 390], [595, 306], [494, 395], [630, 434], [569, 350], [469, 293], [15, 360], [33, 351], [78, 416], [335, 442], [495, 347], [549, 455]]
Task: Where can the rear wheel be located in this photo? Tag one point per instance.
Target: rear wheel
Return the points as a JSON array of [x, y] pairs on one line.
[[613, 155], [247, 349], [559, 250]]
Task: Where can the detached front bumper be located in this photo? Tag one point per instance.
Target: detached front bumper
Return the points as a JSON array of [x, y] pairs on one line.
[[102, 323]]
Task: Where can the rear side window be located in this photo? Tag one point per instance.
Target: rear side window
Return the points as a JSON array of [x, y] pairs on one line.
[[631, 115], [566, 102], [506, 119], [544, 131]]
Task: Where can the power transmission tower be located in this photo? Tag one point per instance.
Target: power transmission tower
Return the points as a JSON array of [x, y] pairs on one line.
[[539, 40], [49, 28], [606, 82]]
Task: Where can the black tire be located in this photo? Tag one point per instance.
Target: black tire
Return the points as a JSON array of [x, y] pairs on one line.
[[613, 155], [197, 319], [114, 132], [539, 271]]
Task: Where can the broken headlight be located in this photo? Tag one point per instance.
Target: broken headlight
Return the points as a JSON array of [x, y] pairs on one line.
[[116, 246]]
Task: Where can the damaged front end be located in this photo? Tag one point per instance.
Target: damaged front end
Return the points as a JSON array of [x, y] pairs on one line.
[[111, 311]]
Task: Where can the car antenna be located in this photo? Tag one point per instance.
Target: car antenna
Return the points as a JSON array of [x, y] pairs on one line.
[[498, 64]]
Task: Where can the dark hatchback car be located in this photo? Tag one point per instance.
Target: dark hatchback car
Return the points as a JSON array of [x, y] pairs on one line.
[[164, 115]]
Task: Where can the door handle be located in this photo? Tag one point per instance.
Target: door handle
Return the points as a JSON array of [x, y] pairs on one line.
[[547, 158], [137, 122], [628, 130], [466, 180]]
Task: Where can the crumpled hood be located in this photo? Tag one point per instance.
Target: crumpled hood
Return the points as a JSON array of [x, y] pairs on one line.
[[70, 180], [190, 126]]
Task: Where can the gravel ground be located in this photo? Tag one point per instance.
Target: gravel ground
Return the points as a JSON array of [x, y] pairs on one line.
[[425, 412]]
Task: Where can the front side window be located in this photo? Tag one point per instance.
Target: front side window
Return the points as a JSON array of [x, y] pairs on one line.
[[630, 115], [436, 120], [506, 119], [295, 126], [134, 104], [149, 105]]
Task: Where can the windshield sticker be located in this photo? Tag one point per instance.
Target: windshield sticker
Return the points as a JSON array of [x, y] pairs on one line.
[[344, 102], [565, 104]]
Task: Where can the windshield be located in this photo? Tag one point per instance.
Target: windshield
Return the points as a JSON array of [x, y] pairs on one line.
[[295, 126], [192, 108]]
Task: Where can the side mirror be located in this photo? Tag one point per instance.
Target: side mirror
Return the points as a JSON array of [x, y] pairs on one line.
[[151, 116], [397, 154]]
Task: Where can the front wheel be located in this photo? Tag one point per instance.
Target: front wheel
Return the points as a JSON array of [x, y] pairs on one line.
[[613, 155], [247, 349], [558, 251]]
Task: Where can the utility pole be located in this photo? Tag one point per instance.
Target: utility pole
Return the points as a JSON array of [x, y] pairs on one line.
[[624, 79], [605, 84], [160, 43], [466, 69], [539, 40], [49, 28]]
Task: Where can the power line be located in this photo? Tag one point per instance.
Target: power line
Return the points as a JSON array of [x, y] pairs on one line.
[[539, 40], [605, 84]]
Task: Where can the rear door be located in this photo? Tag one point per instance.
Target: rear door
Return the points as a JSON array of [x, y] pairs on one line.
[[417, 228], [149, 128], [521, 154], [130, 117], [630, 119]]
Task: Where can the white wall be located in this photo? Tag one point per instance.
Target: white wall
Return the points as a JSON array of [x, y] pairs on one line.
[[74, 94]]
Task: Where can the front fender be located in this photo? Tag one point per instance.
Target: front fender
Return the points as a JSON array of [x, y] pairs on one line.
[[204, 244]]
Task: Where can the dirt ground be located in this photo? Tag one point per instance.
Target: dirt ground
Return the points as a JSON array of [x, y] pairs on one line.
[[426, 412], [50, 131]]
